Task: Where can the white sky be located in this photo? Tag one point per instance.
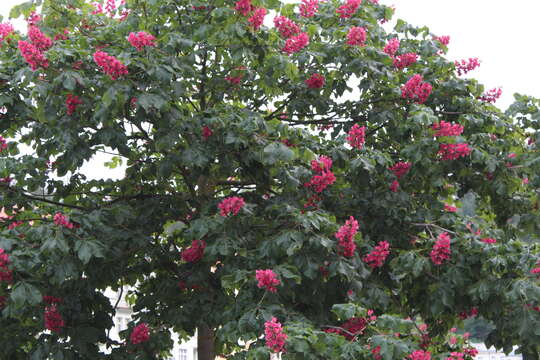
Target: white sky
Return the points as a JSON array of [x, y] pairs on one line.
[[502, 34]]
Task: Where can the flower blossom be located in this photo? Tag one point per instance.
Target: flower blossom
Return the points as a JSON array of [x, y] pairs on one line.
[[141, 39], [453, 151], [491, 96], [296, 43], [257, 19], [536, 270], [391, 47], [489, 240], [140, 334], [274, 336], [286, 27], [33, 19], [110, 65], [348, 9], [72, 101], [441, 250], [394, 186], [5, 273], [443, 40], [267, 279], [244, 7], [316, 81], [356, 136], [61, 220], [405, 60], [400, 168], [308, 8], [416, 89], [420, 355], [322, 164], [345, 235], [321, 182], [5, 30], [351, 328], [33, 56], [53, 320], [379, 254], [231, 205], [444, 128], [38, 39], [206, 132], [450, 208], [194, 252], [464, 66], [356, 36], [3, 144]]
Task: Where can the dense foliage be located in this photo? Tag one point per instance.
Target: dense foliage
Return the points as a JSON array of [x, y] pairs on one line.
[[297, 180]]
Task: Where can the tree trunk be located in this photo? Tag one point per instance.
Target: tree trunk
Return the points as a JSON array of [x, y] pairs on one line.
[[205, 343]]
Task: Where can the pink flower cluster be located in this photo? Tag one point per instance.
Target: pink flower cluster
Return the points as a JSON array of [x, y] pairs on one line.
[[274, 336], [296, 43], [308, 8], [491, 96], [110, 65], [286, 26], [536, 270], [234, 80], [3, 144], [379, 254], [33, 56], [453, 151], [61, 220], [345, 235], [51, 300], [450, 208], [356, 136], [441, 250], [356, 36], [416, 89], [38, 39], [348, 9], [400, 168], [257, 19], [72, 101], [206, 132], [489, 240], [325, 177], [394, 186], [33, 19], [53, 320], [464, 66], [323, 163], [444, 128], [5, 273], [5, 30], [420, 355], [391, 47], [194, 252], [405, 60], [351, 328], [315, 81], [267, 279], [140, 334], [443, 40], [467, 314], [455, 356], [244, 7], [231, 205], [141, 39]]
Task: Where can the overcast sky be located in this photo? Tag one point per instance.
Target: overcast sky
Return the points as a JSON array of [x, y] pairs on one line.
[[502, 34]]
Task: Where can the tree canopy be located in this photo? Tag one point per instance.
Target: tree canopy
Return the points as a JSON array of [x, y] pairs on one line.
[[298, 180]]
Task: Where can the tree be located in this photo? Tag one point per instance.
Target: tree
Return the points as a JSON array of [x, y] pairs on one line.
[[320, 187]]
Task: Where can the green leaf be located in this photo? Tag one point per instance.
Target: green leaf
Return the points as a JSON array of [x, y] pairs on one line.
[[25, 293]]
